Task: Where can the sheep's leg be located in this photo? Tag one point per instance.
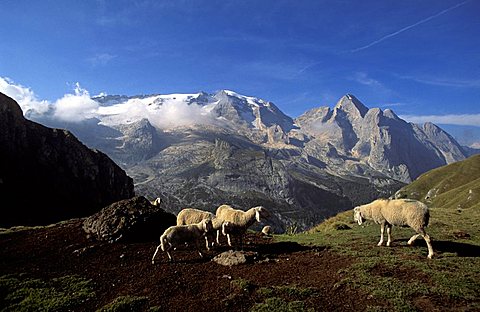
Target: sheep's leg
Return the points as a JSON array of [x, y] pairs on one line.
[[389, 236], [218, 237], [156, 250], [167, 248], [382, 229], [198, 249], [229, 241], [208, 245], [426, 237], [413, 238], [169, 256]]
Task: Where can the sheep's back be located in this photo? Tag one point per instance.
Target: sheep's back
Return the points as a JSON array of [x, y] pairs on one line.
[[403, 212], [191, 215], [180, 233], [222, 211]]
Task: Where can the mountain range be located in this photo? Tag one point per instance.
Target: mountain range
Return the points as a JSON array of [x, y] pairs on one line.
[[203, 150]]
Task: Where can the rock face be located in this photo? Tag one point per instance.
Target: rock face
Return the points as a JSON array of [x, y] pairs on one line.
[[47, 175], [134, 219], [379, 138]]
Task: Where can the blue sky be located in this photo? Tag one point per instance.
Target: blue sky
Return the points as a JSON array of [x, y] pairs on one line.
[[419, 58]]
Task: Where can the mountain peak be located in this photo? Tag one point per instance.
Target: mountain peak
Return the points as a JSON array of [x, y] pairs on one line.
[[350, 104]]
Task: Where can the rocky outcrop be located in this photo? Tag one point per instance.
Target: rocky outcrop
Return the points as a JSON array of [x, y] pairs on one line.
[[48, 175], [134, 219], [379, 139]]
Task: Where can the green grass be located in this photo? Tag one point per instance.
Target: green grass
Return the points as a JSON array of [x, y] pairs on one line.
[[20, 293], [379, 271], [275, 304], [399, 274], [126, 304]]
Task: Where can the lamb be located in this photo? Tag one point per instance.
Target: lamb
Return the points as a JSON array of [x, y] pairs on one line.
[[192, 215], [179, 235], [236, 222], [401, 212]]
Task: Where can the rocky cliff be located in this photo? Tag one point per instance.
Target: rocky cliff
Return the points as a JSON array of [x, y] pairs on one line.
[[47, 175]]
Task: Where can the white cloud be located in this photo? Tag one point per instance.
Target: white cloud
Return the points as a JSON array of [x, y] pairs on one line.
[[75, 107], [71, 107], [101, 59], [463, 119], [172, 114], [25, 97], [174, 111], [364, 79], [444, 82]]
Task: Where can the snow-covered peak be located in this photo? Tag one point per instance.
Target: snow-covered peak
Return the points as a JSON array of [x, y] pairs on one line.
[[251, 111], [250, 100]]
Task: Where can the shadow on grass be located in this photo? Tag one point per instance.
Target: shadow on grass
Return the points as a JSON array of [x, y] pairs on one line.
[[284, 248], [461, 249]]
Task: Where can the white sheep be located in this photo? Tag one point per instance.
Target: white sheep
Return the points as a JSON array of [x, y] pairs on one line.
[[179, 235], [400, 212], [192, 215], [236, 222]]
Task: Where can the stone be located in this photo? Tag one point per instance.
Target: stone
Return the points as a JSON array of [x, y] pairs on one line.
[[134, 219]]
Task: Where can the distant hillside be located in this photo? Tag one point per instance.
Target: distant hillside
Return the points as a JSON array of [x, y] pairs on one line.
[[456, 185]]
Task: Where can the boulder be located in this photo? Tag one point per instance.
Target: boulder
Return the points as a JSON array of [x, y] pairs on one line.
[[134, 219], [231, 257]]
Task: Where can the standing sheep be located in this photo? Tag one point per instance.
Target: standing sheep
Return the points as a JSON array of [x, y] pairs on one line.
[[401, 212], [179, 235], [191, 215], [236, 222]]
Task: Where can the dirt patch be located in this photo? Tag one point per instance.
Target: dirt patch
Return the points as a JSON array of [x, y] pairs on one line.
[[191, 283]]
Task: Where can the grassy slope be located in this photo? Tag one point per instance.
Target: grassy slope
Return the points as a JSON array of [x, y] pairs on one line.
[[452, 276]]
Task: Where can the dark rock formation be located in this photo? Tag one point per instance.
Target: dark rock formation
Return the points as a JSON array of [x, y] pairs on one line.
[[48, 175], [134, 219]]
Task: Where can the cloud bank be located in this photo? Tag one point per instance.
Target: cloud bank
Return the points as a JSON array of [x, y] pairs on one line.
[[174, 111], [461, 119], [25, 97]]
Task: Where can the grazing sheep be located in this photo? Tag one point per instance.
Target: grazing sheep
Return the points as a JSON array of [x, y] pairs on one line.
[[401, 212], [236, 222], [191, 215], [179, 235]]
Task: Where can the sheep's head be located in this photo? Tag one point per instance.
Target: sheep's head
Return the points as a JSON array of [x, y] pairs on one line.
[[261, 213], [267, 230], [357, 215], [156, 202]]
